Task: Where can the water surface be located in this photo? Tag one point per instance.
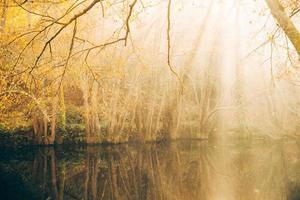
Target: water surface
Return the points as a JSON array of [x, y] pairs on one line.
[[185, 170]]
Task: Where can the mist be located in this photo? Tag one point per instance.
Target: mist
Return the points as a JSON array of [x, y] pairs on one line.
[[148, 70]]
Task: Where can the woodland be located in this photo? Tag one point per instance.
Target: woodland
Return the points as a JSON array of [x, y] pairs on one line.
[[118, 71]]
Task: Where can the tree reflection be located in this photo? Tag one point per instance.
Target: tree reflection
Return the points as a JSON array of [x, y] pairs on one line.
[[183, 170]]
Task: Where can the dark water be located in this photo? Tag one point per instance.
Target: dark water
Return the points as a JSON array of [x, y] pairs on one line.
[[179, 170]]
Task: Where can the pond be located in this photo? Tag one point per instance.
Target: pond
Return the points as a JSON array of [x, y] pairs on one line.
[[182, 170]]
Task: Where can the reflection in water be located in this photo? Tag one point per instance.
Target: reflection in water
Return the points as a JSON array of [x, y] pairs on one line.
[[179, 170]]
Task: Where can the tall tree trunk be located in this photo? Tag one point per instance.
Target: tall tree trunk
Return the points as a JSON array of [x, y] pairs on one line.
[[277, 11], [62, 109], [38, 124], [53, 121], [45, 126]]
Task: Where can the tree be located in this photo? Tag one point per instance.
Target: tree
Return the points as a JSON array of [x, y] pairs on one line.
[[284, 21]]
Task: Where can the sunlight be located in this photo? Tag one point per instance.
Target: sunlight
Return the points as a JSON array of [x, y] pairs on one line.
[[211, 85]]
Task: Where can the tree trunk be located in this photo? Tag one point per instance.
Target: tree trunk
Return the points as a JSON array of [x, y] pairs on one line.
[[38, 128], [53, 122], [45, 137], [62, 109], [285, 23]]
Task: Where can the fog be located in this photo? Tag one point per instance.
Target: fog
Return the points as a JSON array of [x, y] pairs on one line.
[[140, 71]]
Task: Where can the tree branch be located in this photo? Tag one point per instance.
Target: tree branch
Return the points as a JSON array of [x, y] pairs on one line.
[[169, 44]]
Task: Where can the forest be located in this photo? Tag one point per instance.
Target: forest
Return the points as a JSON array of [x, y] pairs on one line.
[[111, 71], [150, 99]]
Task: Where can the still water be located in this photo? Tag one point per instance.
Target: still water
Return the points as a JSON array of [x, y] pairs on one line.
[[185, 170]]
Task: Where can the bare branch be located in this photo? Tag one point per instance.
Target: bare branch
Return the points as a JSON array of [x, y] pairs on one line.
[[131, 6], [84, 11], [169, 43], [31, 12]]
